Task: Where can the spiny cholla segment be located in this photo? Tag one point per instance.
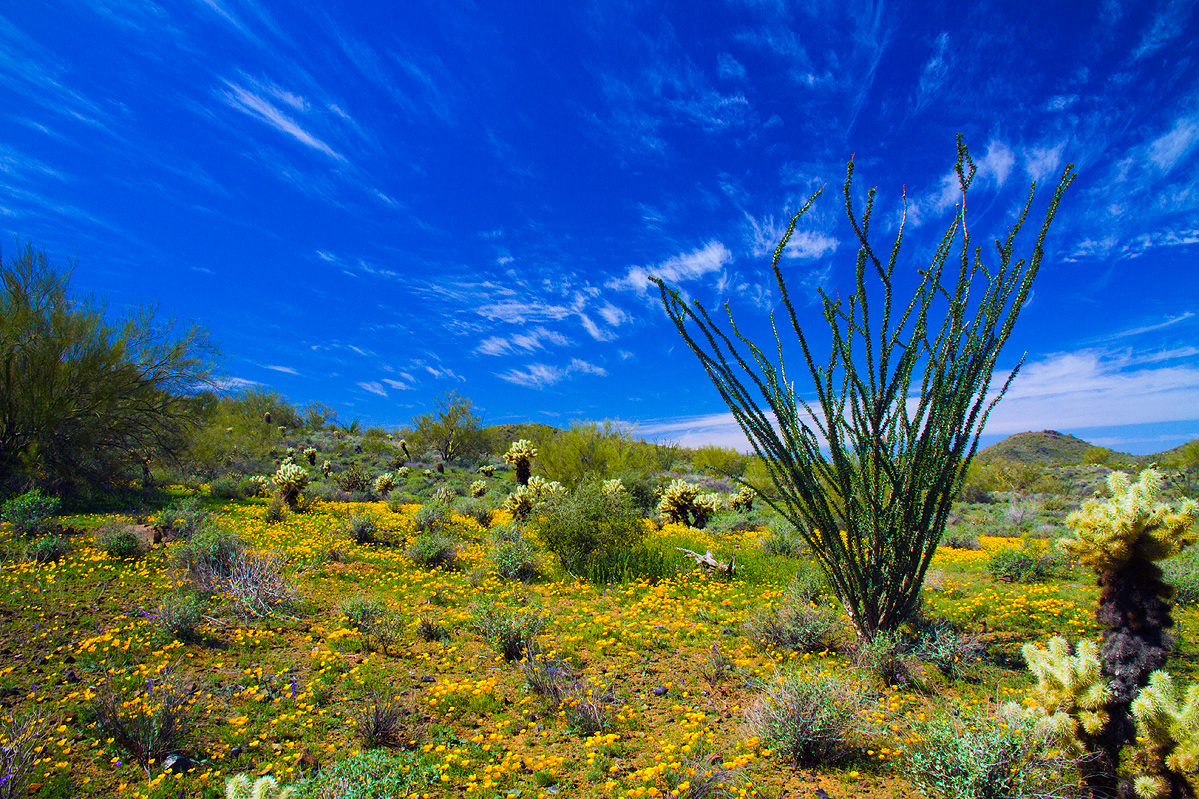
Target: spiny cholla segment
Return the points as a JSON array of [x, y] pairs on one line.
[[1071, 694], [385, 482], [1168, 732], [240, 787], [478, 488], [613, 487], [520, 503], [743, 500], [291, 480], [683, 503]]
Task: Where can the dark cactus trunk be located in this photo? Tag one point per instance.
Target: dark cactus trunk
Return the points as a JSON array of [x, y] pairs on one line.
[[1134, 609], [523, 471]]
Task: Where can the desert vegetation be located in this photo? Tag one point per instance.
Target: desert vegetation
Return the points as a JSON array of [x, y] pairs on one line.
[[235, 596]]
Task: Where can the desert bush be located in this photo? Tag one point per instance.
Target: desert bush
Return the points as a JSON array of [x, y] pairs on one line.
[[887, 654], [179, 614], [475, 509], [721, 460], [227, 487], [588, 710], [183, 518], [429, 518], [22, 739], [783, 539], [952, 651], [956, 538], [209, 555], [434, 549], [260, 584], [808, 716], [429, 630], [589, 452], [1019, 566], [717, 666], [795, 623], [370, 774], [360, 610], [362, 529], [378, 722], [30, 512], [511, 632], [275, 511], [611, 566], [969, 755], [352, 479], [118, 541], [47, 549], [376, 626], [1182, 572], [589, 522], [148, 726], [514, 554], [547, 676]]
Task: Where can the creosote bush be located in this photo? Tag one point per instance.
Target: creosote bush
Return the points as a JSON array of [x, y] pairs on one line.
[[30, 512], [180, 614], [47, 549], [434, 549], [118, 541], [808, 717], [588, 523], [511, 632]]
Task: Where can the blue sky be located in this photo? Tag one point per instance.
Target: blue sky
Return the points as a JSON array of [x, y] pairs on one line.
[[370, 204]]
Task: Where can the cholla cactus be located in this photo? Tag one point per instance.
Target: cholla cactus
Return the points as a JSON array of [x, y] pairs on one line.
[[478, 488], [1071, 693], [677, 502], [1168, 732], [326, 469], [519, 455], [613, 487], [403, 472], [444, 495], [310, 454], [291, 480], [385, 482], [427, 472], [520, 503], [1122, 539], [705, 507], [291, 452], [240, 787], [1134, 523], [487, 470], [261, 483], [743, 500]]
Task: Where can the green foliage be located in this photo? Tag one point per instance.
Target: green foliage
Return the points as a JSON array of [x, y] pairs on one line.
[[89, 399], [371, 774], [721, 460], [210, 553], [522, 502], [969, 755], [953, 652], [434, 549], [783, 539], [183, 518], [119, 541], [229, 488], [180, 613], [957, 538], [796, 623], [809, 717], [894, 463], [431, 517], [589, 522], [47, 549], [362, 529], [453, 431], [352, 479], [370, 617], [514, 554], [378, 723], [1019, 566], [511, 632], [590, 451], [148, 729], [29, 512]]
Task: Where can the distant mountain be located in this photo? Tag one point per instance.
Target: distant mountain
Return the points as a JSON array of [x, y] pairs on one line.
[[1168, 458], [1048, 447]]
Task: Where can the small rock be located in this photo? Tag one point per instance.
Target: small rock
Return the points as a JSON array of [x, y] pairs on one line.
[[236, 750], [72, 677], [427, 678], [178, 764], [309, 761], [659, 691]]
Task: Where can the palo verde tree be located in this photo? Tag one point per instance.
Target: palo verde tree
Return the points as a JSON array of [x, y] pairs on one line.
[[867, 473], [453, 431], [86, 399]]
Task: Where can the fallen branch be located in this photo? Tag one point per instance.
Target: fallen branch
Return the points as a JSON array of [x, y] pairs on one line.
[[709, 562]]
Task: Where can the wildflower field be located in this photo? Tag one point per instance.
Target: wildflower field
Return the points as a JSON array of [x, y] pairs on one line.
[[635, 688]]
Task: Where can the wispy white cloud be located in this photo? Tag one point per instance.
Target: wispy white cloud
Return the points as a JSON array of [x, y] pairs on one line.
[[444, 373], [533, 340], [398, 385], [374, 388], [1170, 148], [285, 369], [765, 234], [252, 104], [712, 257], [540, 375], [1170, 322], [1168, 24]]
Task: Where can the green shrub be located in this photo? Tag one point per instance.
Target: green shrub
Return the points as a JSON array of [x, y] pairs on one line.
[[429, 518], [179, 614], [370, 617], [1182, 572], [119, 542], [607, 567], [352, 479], [362, 610], [953, 652], [1019, 566], [183, 518], [590, 522], [512, 633], [209, 555], [149, 729], [371, 774], [378, 722], [475, 509], [808, 716], [228, 488], [28, 513], [514, 555], [275, 511], [47, 549], [362, 529], [955, 538], [783, 539], [434, 549], [796, 623], [972, 756]]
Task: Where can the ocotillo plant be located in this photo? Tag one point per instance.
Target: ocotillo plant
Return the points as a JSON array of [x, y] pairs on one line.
[[898, 406]]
